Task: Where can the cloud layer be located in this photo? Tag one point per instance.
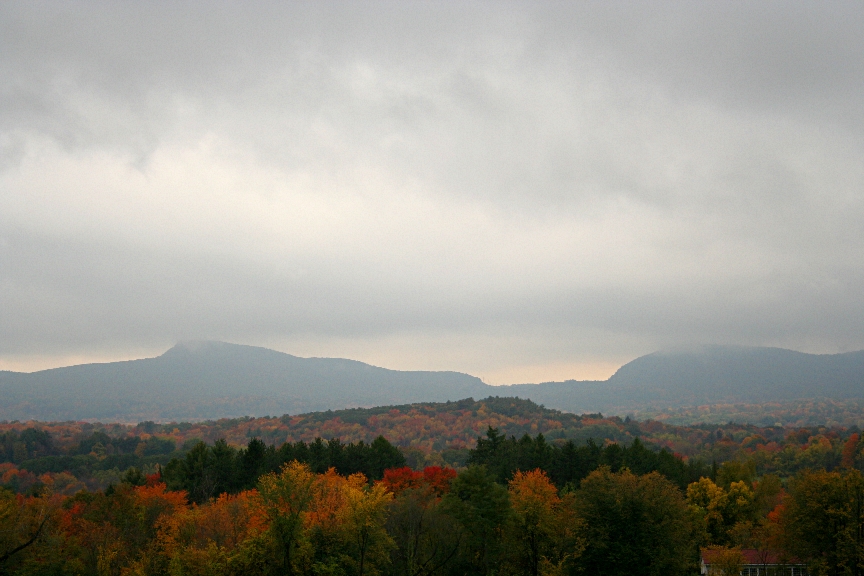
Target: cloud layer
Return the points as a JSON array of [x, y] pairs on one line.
[[519, 191]]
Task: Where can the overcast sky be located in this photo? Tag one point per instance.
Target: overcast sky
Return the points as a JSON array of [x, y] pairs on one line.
[[521, 191]]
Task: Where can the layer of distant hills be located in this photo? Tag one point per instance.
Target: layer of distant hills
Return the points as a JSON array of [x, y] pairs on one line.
[[209, 380]]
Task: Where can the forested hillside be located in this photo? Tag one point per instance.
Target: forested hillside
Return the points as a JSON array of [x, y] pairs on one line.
[[428, 434], [795, 413], [516, 506]]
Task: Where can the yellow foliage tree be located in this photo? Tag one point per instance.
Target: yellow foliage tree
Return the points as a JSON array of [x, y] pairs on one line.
[[286, 498], [363, 521], [721, 510]]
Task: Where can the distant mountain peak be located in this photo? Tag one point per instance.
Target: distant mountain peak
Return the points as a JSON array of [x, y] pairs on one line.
[[201, 379]]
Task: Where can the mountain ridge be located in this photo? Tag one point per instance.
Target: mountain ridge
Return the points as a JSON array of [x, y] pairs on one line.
[[216, 379], [709, 374], [197, 380]]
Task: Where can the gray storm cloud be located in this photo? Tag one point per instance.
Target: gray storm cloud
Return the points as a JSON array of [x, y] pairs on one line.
[[510, 189]]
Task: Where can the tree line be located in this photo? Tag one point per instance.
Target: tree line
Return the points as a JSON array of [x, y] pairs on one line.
[[328, 508], [428, 434], [568, 463], [411, 523], [207, 471]]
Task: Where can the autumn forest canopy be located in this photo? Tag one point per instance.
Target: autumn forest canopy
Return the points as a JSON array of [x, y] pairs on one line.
[[495, 486], [427, 288]]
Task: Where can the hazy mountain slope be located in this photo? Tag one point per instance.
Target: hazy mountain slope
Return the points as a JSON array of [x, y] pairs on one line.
[[708, 375], [213, 380], [195, 381], [577, 396]]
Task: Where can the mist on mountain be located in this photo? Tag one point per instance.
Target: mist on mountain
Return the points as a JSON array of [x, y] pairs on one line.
[[209, 380]]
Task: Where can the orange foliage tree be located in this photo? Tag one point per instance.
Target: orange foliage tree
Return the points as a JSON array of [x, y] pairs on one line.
[[541, 524]]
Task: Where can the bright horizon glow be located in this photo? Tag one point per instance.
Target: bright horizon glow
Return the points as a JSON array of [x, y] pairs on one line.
[[504, 376]]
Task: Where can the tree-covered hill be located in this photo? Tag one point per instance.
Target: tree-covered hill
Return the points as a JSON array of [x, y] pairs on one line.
[[425, 433], [164, 497]]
